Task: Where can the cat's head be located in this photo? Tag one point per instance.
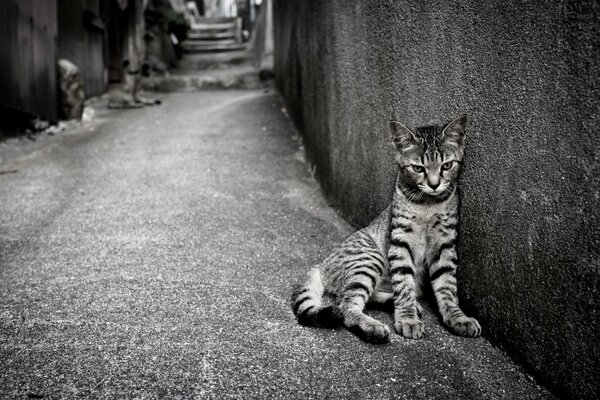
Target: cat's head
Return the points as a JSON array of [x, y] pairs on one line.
[[429, 158]]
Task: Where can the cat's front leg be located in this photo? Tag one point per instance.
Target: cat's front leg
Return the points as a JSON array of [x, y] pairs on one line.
[[406, 310], [443, 281]]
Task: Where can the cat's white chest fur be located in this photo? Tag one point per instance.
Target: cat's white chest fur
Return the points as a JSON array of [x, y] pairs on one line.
[[425, 238]]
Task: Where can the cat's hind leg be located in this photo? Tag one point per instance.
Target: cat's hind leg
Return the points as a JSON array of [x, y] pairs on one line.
[[363, 273], [365, 327], [307, 303]]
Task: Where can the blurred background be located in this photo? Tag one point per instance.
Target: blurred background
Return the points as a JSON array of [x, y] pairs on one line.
[[57, 54]]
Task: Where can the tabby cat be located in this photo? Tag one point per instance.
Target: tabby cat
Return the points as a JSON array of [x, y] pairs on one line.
[[411, 240]]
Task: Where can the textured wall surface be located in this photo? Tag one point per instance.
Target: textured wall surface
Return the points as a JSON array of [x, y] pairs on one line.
[[28, 57], [528, 76]]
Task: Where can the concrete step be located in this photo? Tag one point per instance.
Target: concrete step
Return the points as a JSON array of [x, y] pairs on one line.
[[210, 30], [197, 46], [215, 21], [194, 42], [211, 24], [211, 35], [211, 61], [241, 77]]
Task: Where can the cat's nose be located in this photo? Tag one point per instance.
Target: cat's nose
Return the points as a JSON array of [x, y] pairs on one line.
[[434, 186]]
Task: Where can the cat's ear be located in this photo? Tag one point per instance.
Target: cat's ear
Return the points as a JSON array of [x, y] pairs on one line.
[[402, 137], [454, 132]]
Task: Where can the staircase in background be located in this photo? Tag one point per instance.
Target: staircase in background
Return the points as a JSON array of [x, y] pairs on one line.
[[214, 35], [216, 56]]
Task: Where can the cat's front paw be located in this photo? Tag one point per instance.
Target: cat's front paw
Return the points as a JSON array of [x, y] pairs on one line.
[[465, 326], [411, 328]]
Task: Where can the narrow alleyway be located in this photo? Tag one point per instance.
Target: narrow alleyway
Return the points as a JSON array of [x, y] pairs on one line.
[[152, 257]]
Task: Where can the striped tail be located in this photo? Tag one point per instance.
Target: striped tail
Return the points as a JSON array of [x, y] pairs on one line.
[[307, 303]]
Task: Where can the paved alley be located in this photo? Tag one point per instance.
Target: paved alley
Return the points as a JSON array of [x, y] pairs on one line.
[[152, 257]]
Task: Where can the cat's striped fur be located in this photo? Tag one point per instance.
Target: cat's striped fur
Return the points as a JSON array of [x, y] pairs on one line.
[[412, 240]]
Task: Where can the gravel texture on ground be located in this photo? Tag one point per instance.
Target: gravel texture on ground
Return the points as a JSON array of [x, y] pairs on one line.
[[152, 254]]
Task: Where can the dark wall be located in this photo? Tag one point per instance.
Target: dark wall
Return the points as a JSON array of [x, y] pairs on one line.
[[81, 40], [527, 73], [28, 56]]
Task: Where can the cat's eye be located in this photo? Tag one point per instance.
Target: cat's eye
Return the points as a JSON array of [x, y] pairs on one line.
[[419, 169], [447, 165]]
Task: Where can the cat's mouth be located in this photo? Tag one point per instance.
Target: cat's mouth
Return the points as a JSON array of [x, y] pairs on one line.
[[431, 192]]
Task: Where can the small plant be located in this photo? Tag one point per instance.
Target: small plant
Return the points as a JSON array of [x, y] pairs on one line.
[[312, 170]]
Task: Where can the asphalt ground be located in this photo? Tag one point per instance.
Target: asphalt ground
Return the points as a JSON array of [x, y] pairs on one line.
[[151, 255]]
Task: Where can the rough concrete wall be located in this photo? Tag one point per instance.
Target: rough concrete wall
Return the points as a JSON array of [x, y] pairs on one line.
[[527, 73], [28, 57]]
